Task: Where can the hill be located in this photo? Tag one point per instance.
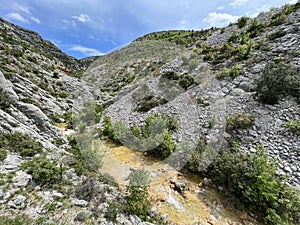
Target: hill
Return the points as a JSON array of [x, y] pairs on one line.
[[221, 104]]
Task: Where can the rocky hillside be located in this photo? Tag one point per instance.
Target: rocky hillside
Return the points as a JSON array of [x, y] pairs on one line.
[[214, 75], [239, 84]]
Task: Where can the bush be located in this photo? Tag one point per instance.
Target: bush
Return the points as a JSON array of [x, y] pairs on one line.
[[156, 130], [164, 149], [108, 129], [255, 28], [149, 102], [233, 72], [194, 163], [3, 154], [87, 154], [242, 21], [21, 143], [252, 181], [279, 79], [138, 202], [277, 34], [86, 190], [294, 126], [43, 170], [278, 19], [90, 114], [239, 121]]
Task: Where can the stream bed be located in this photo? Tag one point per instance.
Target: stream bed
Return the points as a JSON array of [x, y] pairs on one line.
[[197, 204]]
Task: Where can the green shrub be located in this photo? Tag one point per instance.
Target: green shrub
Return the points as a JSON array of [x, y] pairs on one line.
[[294, 126], [58, 141], [212, 122], [63, 94], [194, 161], [277, 34], [186, 81], [5, 102], [43, 170], [252, 182], [239, 121], [87, 154], [233, 37], [91, 114], [278, 19], [165, 148], [138, 202], [108, 129], [255, 28], [171, 75], [16, 53], [242, 21], [3, 154], [149, 102], [233, 72], [279, 79], [156, 130], [21, 143]]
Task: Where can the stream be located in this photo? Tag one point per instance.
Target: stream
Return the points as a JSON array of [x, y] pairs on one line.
[[198, 204]]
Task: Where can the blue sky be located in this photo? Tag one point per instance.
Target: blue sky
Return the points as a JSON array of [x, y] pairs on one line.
[[83, 28]]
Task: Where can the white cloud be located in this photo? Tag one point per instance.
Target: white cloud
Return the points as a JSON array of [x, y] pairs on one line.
[[220, 8], [17, 17], [82, 18], [22, 14], [86, 51], [293, 2], [21, 8], [34, 19], [220, 19], [238, 2]]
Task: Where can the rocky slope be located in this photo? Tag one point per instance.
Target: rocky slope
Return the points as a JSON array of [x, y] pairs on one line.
[[37, 86], [200, 78], [208, 57]]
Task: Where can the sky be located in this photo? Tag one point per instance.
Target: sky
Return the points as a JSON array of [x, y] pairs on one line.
[[85, 28]]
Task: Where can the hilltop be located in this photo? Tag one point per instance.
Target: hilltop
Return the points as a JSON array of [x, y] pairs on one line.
[[222, 92]]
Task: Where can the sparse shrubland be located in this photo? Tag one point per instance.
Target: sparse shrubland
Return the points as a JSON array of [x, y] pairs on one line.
[[21, 143], [252, 183], [155, 132]]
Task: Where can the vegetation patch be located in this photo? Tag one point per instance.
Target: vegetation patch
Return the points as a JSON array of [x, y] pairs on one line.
[[233, 72], [239, 121], [149, 102], [277, 34], [279, 79], [43, 170], [21, 143], [294, 126], [87, 156], [3, 154], [252, 183], [155, 133]]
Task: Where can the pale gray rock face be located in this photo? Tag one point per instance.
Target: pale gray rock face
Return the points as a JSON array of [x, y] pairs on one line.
[[21, 179], [18, 202], [79, 202]]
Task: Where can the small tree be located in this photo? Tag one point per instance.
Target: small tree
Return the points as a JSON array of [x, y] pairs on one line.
[[138, 202], [242, 21], [43, 170], [279, 79]]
